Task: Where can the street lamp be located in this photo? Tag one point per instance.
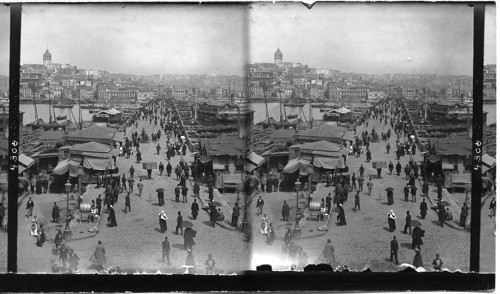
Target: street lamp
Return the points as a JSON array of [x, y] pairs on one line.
[[296, 230], [67, 230]]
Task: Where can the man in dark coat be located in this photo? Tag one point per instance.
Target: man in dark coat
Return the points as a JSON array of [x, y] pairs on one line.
[[407, 222], [213, 214], [169, 169], [235, 215], [194, 209], [189, 235], [285, 210], [196, 189], [413, 191], [29, 206], [161, 167], [341, 216], [406, 190], [184, 194], [423, 209], [58, 238], [260, 205], [55, 213], [398, 168], [177, 191], [463, 214], [417, 235], [394, 249], [112, 217], [179, 224], [425, 188], [439, 191]]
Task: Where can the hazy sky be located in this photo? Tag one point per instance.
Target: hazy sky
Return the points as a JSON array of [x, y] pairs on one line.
[[4, 39], [367, 38], [137, 39], [363, 38]]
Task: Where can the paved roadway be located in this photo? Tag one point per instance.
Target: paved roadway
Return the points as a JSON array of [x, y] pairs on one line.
[[364, 242], [135, 244]]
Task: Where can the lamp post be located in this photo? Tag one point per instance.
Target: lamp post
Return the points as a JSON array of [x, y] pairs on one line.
[[296, 230], [67, 230]]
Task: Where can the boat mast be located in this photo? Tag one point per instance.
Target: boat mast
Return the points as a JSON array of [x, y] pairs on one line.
[[80, 112], [281, 105], [36, 111], [50, 110], [267, 110], [310, 109]]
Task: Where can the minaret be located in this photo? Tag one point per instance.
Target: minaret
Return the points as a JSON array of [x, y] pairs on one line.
[[47, 58], [278, 56]]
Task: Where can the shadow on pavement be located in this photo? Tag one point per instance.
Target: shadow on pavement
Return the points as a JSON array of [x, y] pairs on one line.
[[178, 246], [406, 245], [437, 223]]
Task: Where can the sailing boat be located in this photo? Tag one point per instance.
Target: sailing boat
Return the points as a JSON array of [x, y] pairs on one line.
[[64, 102], [294, 102]]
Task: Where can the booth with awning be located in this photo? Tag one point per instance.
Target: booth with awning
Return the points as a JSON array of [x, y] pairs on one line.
[[25, 163], [253, 161], [303, 165], [67, 165]]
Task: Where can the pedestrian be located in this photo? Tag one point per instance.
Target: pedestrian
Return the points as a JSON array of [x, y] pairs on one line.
[[124, 183], [370, 186], [210, 192], [40, 238], [165, 251], [301, 258], [328, 203], [271, 235], [285, 210], [437, 264], [417, 260], [360, 183], [179, 224], [169, 167], [439, 191], [416, 236], [73, 261], [361, 171], [413, 190], [29, 206], [394, 249], [112, 217], [161, 167], [493, 207], [388, 147], [260, 205], [196, 189], [194, 209], [55, 214], [406, 191], [162, 219], [341, 217], [99, 256], [398, 168], [63, 255], [177, 192], [425, 189], [329, 253], [131, 171], [127, 202], [353, 181], [391, 218], [184, 194], [423, 209], [235, 215], [391, 167], [213, 214], [407, 222], [356, 202], [210, 265], [464, 214], [58, 238], [131, 184], [189, 235], [158, 148], [379, 172], [190, 263], [288, 237]]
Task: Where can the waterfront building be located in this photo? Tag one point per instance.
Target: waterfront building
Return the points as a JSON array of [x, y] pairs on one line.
[[338, 94]]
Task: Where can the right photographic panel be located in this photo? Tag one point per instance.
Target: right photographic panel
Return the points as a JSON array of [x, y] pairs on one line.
[[363, 114], [488, 196]]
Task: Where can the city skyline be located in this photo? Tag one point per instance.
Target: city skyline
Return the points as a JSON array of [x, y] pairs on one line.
[[139, 39], [371, 38], [407, 49]]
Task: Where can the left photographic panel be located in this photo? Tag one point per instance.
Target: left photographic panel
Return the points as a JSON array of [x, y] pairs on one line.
[[4, 103], [105, 90]]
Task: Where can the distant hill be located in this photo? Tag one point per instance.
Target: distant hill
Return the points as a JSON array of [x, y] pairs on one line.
[[4, 84]]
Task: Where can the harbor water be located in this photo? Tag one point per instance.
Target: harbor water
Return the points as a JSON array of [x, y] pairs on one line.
[[43, 113]]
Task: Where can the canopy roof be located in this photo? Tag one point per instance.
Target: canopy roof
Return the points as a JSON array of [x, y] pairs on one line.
[[111, 111], [91, 147], [224, 145], [26, 161], [301, 164], [460, 145], [93, 133], [328, 162], [321, 146], [67, 165], [322, 132], [488, 160], [253, 161], [341, 110]]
